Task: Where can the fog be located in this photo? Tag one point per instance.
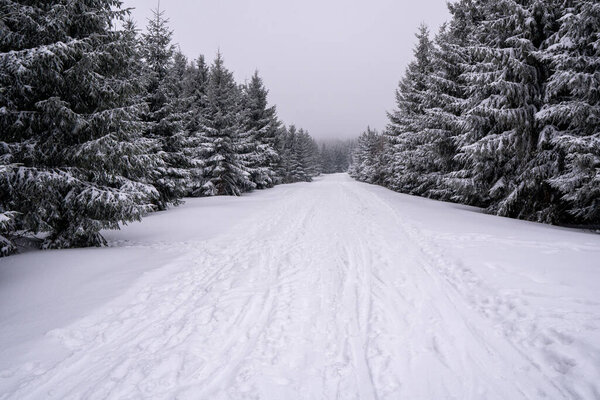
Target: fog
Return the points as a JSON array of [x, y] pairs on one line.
[[331, 66]]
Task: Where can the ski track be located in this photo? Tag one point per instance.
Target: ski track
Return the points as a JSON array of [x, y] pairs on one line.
[[332, 293]]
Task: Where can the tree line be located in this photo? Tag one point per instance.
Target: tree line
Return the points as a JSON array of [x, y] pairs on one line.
[[335, 156], [101, 125], [501, 110]]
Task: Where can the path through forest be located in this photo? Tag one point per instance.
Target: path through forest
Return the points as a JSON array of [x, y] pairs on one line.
[[339, 290]]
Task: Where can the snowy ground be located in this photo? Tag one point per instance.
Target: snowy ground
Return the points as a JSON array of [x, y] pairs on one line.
[[328, 290]]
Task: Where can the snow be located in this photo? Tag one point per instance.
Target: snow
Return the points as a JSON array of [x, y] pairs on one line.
[[330, 289]]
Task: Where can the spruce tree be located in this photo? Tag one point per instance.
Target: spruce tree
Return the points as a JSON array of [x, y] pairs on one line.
[[295, 154], [505, 84], [70, 150], [261, 126], [178, 142], [221, 125], [367, 157], [7, 231], [284, 150], [197, 85], [299, 156], [299, 165], [304, 156], [444, 102], [407, 122], [164, 125], [454, 59], [569, 153], [294, 165], [313, 157]]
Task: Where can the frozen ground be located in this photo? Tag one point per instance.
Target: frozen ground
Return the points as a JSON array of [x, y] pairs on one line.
[[328, 290]]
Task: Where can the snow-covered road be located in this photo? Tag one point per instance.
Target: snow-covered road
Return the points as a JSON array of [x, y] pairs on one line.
[[341, 290]]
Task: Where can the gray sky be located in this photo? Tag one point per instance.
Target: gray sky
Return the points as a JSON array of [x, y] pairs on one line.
[[331, 66]]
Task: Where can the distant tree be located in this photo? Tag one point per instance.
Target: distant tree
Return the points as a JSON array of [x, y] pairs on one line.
[[284, 150], [327, 162], [312, 156], [300, 157], [335, 156], [367, 157], [298, 152]]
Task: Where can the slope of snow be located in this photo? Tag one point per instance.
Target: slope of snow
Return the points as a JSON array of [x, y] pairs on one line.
[[333, 289]]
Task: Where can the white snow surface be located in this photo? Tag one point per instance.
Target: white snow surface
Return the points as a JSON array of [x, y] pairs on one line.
[[327, 290]]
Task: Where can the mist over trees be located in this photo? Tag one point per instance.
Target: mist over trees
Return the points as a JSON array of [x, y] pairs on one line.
[[102, 125], [501, 110], [335, 155]]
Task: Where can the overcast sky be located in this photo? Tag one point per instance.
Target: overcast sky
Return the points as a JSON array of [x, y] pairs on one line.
[[331, 66]]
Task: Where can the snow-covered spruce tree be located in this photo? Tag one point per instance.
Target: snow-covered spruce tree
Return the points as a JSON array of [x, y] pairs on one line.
[[504, 84], [569, 145], [358, 158], [180, 146], [444, 102], [313, 156], [294, 166], [7, 230], [301, 156], [7, 247], [261, 127], [197, 85], [406, 131], [533, 198], [221, 125], [453, 58], [296, 151], [71, 154], [284, 149], [367, 157], [164, 121]]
